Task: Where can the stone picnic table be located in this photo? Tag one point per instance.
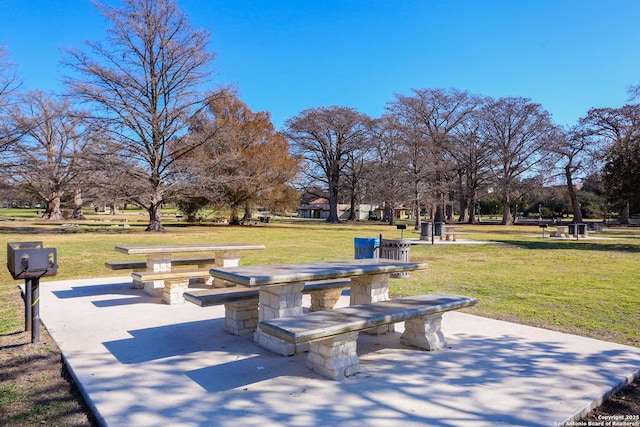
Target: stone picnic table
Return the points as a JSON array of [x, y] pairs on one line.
[[159, 257], [281, 285], [450, 232]]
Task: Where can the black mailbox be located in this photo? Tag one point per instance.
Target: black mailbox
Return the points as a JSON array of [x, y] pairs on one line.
[[27, 260]]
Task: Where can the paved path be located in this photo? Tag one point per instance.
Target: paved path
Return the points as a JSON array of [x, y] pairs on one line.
[[143, 363]]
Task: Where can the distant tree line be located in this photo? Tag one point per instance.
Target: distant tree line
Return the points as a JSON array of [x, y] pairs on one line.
[[440, 149], [141, 123]]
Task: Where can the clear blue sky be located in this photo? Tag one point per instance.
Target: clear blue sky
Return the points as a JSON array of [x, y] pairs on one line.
[[286, 56]]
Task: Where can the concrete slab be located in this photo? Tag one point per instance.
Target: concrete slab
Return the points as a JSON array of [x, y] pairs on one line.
[[143, 363]]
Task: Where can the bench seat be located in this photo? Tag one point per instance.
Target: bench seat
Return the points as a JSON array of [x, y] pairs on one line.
[[333, 334], [142, 265], [182, 273], [176, 281], [241, 303]]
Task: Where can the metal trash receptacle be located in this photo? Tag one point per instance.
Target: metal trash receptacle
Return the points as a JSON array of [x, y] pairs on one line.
[[425, 231], [398, 249], [438, 229], [366, 247], [578, 229]]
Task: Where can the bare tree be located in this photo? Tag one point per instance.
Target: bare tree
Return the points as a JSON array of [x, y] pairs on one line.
[[325, 137], [430, 117], [517, 131], [572, 147], [471, 160], [388, 175], [46, 158], [9, 85], [618, 130], [146, 83]]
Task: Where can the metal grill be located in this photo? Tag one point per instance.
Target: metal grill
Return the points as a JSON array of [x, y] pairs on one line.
[[28, 260]]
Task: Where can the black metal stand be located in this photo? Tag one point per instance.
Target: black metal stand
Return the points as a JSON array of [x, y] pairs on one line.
[[32, 308]]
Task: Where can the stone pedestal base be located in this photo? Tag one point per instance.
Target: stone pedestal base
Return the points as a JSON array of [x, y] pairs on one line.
[[424, 333], [368, 289], [174, 291], [225, 259], [205, 280], [154, 288], [241, 317], [324, 300], [275, 302], [156, 263], [336, 357]]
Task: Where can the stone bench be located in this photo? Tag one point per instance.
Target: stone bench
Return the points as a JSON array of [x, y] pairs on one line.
[[176, 282], [452, 235], [142, 265], [333, 334], [241, 303], [559, 231]]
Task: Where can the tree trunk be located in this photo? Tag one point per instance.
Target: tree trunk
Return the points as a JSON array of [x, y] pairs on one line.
[[155, 222], [577, 212], [439, 215], [234, 219], [389, 213], [248, 214], [352, 208], [624, 214], [464, 210], [53, 211], [472, 211], [333, 205], [77, 205], [506, 209], [416, 201]]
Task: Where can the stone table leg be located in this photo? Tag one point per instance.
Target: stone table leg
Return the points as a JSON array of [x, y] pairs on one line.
[[205, 280], [225, 259], [278, 301], [156, 263], [174, 290], [241, 317], [368, 289]]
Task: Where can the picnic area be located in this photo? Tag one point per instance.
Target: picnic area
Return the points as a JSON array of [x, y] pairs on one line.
[[498, 326]]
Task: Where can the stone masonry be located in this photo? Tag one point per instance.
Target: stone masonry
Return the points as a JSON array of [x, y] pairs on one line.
[[368, 289], [174, 290], [424, 332], [335, 357], [241, 317], [278, 301], [156, 263]]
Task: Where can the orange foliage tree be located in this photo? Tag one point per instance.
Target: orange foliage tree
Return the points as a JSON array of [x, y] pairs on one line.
[[247, 165]]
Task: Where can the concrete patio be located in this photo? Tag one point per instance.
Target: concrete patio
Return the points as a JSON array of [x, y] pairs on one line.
[[143, 363]]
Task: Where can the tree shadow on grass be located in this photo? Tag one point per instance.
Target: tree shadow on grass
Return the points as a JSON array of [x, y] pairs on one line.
[[568, 244]]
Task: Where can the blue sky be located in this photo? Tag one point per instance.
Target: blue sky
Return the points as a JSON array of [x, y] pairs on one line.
[[289, 55]]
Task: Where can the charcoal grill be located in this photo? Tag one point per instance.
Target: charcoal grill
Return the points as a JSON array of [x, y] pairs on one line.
[[31, 261]]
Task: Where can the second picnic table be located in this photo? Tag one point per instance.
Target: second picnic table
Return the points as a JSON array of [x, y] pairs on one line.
[[281, 287], [159, 257]]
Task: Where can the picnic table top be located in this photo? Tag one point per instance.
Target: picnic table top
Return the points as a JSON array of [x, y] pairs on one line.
[[275, 274], [207, 247]]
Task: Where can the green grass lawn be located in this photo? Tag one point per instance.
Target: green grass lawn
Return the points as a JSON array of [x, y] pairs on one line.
[[588, 287]]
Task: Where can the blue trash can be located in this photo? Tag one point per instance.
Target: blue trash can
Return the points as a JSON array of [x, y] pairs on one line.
[[366, 247]]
